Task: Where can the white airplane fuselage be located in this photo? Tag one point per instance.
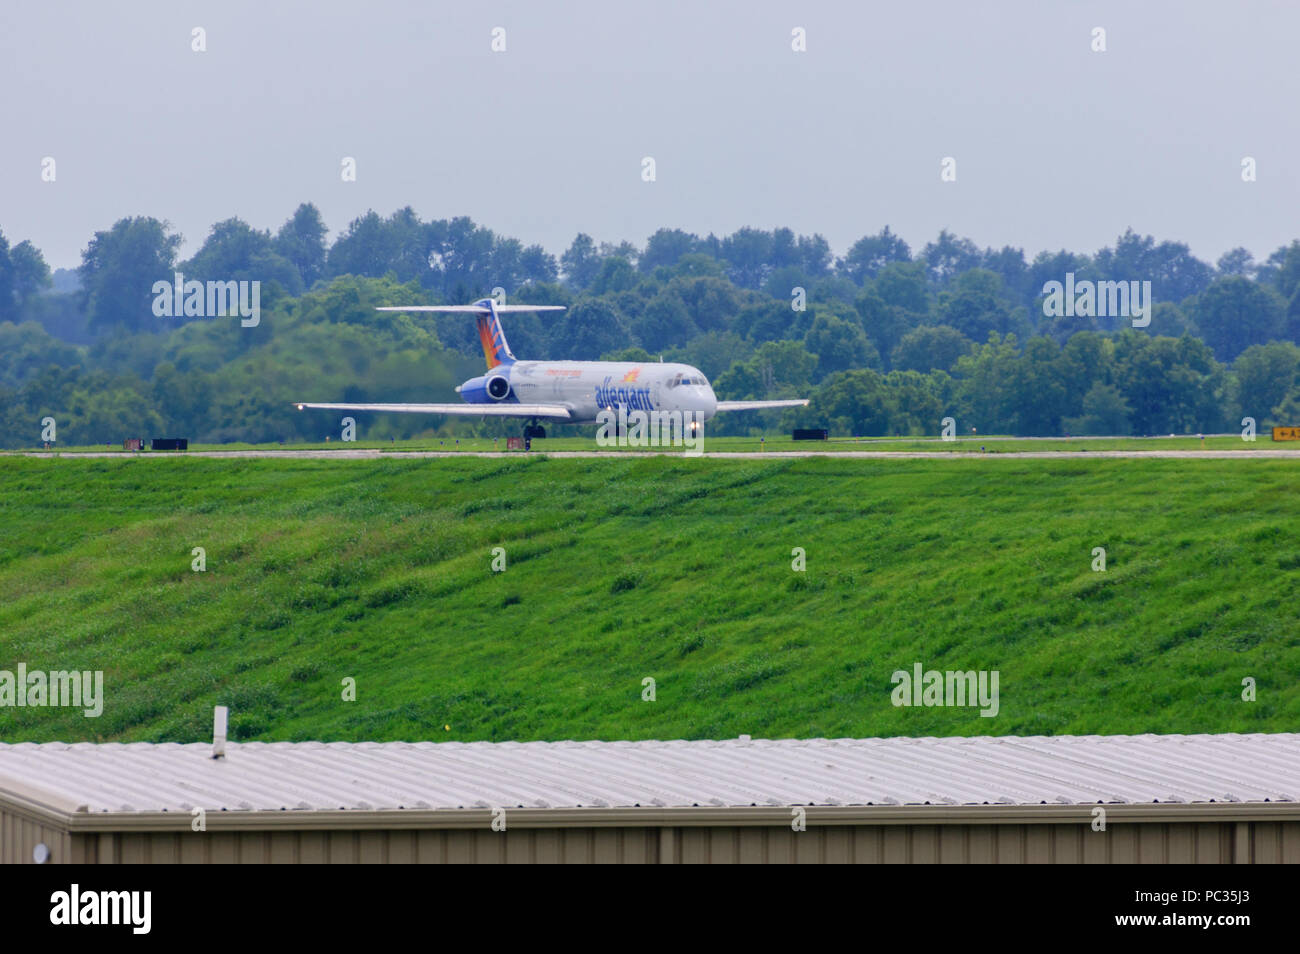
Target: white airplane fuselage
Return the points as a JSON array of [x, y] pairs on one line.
[[570, 392], [588, 387]]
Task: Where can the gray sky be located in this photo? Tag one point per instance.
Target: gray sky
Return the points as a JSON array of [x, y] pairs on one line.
[[1056, 146]]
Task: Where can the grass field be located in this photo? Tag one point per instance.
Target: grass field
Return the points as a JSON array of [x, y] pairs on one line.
[[628, 568]]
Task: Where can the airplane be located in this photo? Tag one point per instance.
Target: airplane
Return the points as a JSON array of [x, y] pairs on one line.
[[571, 392]]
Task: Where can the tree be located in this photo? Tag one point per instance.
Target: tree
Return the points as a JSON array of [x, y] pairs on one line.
[[1086, 359], [1236, 263], [834, 290], [777, 369], [929, 347], [782, 282], [628, 354], [27, 349], [617, 274], [301, 240], [916, 402], [1287, 412], [903, 285], [694, 265], [368, 248], [592, 328], [1282, 270], [535, 335], [666, 247], [1171, 268], [1053, 267], [814, 255], [505, 264], [1173, 385], [783, 367], [748, 254], [1235, 313], [119, 268], [853, 402], [460, 259], [712, 302], [1170, 320], [975, 306], [884, 324], [871, 253], [181, 398], [1009, 264], [1265, 374], [949, 256], [620, 250], [771, 321], [8, 311], [784, 250], [665, 323], [537, 265], [712, 352], [1037, 392], [839, 345], [234, 251], [30, 273], [984, 380], [580, 263], [1105, 414]]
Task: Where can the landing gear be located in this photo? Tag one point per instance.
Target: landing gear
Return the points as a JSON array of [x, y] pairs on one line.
[[534, 431]]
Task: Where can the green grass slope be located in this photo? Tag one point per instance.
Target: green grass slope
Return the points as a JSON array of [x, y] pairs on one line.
[[629, 568]]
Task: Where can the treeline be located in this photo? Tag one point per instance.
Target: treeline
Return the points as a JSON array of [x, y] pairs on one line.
[[884, 339]]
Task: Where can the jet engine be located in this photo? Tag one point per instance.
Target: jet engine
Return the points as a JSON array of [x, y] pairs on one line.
[[498, 388]]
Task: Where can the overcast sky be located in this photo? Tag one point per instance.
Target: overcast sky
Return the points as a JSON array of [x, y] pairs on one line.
[[1055, 145]]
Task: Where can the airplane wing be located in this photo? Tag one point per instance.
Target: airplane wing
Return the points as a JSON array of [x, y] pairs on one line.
[[472, 309], [759, 405], [553, 411]]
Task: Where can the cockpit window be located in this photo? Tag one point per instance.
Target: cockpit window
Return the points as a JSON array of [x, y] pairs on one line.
[[681, 379]]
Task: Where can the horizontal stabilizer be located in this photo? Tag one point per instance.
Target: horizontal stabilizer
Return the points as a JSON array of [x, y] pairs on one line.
[[759, 405], [554, 411], [487, 314]]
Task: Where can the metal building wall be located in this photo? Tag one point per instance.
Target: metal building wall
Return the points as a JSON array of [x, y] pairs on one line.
[[967, 844], [464, 846], [1135, 843], [19, 835], [1141, 843]]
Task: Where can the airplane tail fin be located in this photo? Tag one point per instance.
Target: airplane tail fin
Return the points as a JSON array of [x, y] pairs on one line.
[[496, 350]]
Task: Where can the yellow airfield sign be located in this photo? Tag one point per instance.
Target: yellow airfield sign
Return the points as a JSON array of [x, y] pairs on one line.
[[1286, 433]]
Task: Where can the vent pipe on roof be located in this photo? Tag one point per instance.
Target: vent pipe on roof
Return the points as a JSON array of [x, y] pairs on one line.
[[219, 732]]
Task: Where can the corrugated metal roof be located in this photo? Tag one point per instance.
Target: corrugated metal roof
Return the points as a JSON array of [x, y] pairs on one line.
[[1005, 770]]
